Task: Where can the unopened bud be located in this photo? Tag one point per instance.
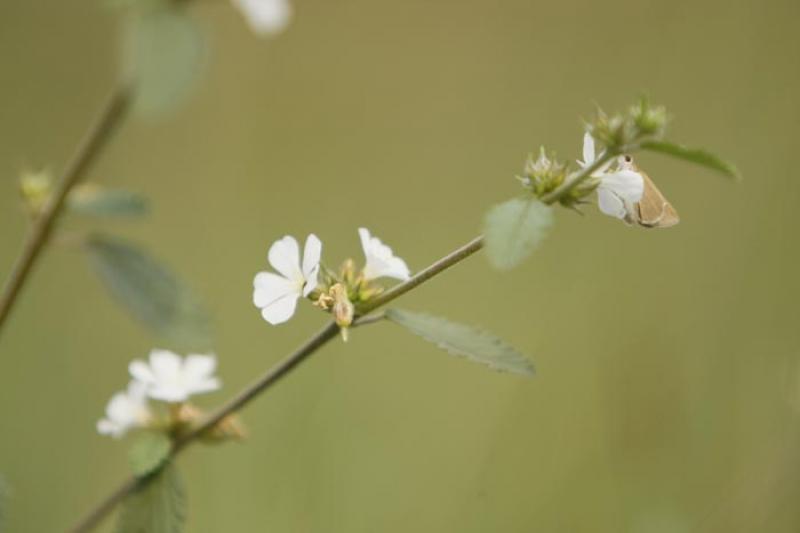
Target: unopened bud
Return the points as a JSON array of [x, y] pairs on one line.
[[229, 428], [649, 120], [614, 132], [35, 188], [543, 174], [343, 309]]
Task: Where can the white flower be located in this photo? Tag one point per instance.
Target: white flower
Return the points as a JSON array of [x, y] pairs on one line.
[[170, 378], [618, 190], [265, 17], [126, 410], [381, 262], [276, 295]]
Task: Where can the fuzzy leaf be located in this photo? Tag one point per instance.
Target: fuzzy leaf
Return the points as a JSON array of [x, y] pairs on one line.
[[164, 54], [458, 339], [157, 507], [148, 452], [699, 157], [150, 292], [93, 200], [514, 229]]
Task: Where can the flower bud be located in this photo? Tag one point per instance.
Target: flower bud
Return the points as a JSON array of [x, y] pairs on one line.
[[229, 428], [35, 188], [343, 309], [543, 174], [614, 132], [649, 120], [348, 272]]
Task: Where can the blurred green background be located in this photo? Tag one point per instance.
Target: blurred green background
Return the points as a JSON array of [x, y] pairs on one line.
[[668, 390]]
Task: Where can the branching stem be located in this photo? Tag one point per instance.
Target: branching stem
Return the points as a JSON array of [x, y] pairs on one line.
[[111, 115], [274, 375]]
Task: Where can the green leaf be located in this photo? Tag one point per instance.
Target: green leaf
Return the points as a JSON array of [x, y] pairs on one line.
[[699, 157], [465, 341], [158, 506], [90, 199], [148, 452], [150, 292], [514, 229], [164, 53]]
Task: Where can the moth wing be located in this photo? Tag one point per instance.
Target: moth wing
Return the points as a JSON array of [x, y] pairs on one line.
[[653, 210]]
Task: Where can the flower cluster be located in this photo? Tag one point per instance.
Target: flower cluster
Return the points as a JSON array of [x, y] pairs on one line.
[[620, 131], [166, 377], [341, 293]]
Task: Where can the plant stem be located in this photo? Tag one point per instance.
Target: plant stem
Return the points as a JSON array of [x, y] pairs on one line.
[[111, 115], [273, 375], [578, 177], [424, 275]]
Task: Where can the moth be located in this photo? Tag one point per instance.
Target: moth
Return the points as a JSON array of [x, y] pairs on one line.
[[653, 210]]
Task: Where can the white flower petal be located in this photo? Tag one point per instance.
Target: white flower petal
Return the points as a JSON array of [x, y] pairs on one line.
[[311, 253], [588, 149], [199, 367], [106, 427], [626, 184], [381, 261], [171, 393], [126, 410], [610, 204], [276, 296], [164, 364], [140, 371], [281, 310], [311, 257], [265, 17], [284, 256], [269, 288]]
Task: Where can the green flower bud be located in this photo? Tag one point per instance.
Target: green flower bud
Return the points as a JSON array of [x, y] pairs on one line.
[[649, 120], [543, 174], [35, 188], [614, 132]]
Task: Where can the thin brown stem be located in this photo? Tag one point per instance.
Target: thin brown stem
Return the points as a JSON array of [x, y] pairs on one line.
[[424, 275], [273, 375], [111, 115]]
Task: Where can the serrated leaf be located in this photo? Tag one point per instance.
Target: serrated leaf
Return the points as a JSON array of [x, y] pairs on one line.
[[158, 506], [699, 157], [148, 452], [458, 339], [164, 54], [90, 199], [150, 292], [514, 229]]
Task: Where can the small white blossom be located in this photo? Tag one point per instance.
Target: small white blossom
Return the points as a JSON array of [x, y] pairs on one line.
[[618, 190], [265, 17], [170, 378], [381, 261], [125, 411], [276, 295]]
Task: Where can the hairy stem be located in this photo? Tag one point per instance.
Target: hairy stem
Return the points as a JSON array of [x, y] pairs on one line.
[[273, 375], [111, 115], [578, 177]]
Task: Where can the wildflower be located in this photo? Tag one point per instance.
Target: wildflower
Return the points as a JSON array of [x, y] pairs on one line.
[[170, 378], [618, 190], [381, 261], [265, 17], [125, 411], [276, 295]]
